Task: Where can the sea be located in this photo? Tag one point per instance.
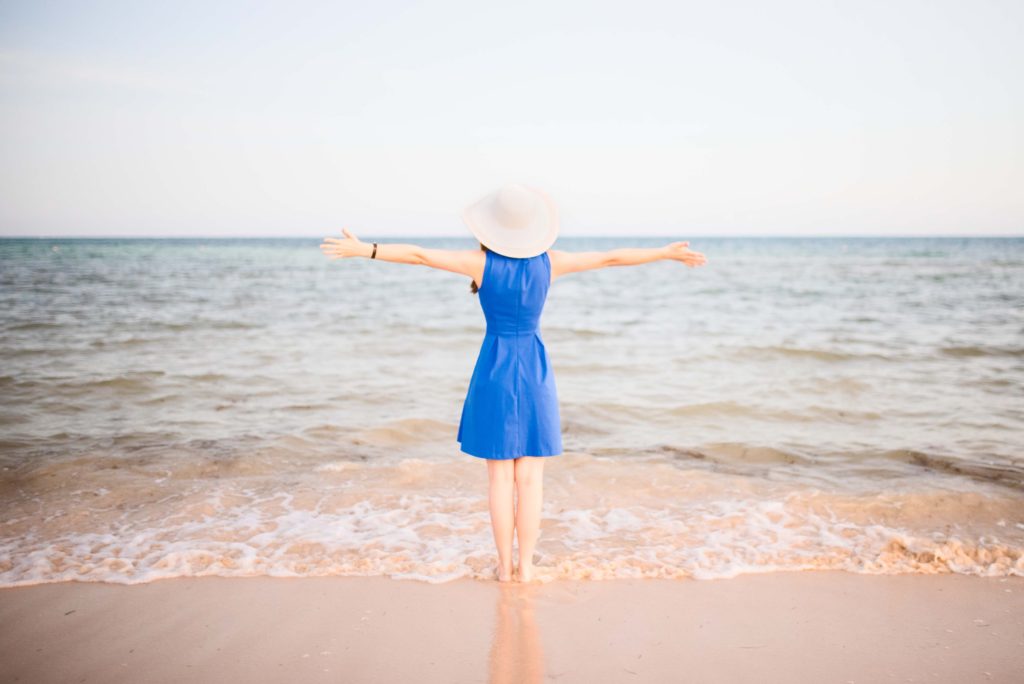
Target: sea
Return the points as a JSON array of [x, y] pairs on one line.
[[238, 407]]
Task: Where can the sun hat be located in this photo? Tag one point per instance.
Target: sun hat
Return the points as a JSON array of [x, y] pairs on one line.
[[517, 221]]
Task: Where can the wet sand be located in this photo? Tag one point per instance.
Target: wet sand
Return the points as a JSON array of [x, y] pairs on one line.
[[811, 626]]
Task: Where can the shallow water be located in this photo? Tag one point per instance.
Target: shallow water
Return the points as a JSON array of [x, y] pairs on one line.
[[190, 407]]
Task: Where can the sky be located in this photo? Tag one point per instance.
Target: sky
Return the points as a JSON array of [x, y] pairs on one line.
[[388, 118]]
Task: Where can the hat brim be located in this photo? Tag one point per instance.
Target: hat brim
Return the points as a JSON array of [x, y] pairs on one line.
[[521, 243]]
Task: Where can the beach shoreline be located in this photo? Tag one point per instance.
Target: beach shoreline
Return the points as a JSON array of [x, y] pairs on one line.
[[820, 626]]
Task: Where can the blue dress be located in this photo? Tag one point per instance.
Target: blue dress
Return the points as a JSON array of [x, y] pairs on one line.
[[511, 407]]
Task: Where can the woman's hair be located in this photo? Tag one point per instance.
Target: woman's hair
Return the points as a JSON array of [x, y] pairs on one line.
[[473, 286]]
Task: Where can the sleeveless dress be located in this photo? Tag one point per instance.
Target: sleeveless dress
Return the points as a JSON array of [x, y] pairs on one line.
[[511, 407]]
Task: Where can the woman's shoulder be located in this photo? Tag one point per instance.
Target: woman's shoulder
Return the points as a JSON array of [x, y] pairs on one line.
[[556, 257]]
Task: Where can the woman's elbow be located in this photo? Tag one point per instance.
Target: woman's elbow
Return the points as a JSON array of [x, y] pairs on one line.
[[417, 257]]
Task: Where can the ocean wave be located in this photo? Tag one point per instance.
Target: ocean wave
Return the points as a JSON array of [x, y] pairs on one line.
[[130, 383], [871, 467], [196, 324], [1004, 473], [733, 453], [31, 326], [403, 432], [736, 409], [969, 351], [125, 342], [61, 387], [759, 352]]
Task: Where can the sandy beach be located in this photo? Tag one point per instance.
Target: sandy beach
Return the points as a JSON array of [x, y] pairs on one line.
[[811, 626]]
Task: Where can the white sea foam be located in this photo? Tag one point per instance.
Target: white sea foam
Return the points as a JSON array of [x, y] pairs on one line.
[[698, 525]]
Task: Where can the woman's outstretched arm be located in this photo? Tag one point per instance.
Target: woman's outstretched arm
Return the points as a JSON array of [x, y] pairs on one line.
[[573, 262], [465, 261]]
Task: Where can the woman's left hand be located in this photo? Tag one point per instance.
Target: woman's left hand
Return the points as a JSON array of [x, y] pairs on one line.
[[680, 251]]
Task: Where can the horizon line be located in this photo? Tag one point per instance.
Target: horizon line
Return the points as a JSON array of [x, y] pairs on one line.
[[470, 238]]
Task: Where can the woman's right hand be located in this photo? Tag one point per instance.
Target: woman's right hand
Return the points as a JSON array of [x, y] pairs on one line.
[[338, 249], [680, 251]]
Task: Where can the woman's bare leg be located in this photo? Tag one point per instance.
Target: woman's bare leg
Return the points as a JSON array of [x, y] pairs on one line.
[[529, 474], [502, 483]]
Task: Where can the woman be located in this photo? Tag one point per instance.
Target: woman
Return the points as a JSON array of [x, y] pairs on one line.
[[510, 416]]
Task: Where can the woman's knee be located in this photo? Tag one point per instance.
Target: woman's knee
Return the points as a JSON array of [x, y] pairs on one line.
[[529, 470], [501, 472]]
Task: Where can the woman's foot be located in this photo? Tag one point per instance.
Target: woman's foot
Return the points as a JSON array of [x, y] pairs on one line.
[[503, 575], [525, 573]]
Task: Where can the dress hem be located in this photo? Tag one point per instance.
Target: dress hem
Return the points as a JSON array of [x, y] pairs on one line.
[[508, 458]]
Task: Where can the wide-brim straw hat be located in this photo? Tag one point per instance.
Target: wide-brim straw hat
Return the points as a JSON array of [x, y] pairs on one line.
[[517, 221]]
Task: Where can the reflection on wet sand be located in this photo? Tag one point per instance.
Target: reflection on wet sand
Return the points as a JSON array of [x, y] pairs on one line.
[[516, 652]]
